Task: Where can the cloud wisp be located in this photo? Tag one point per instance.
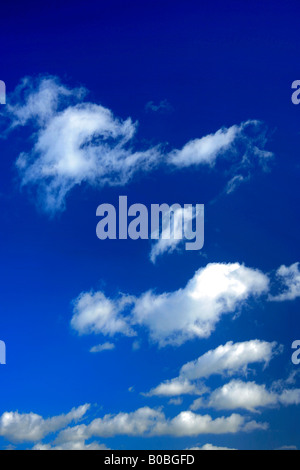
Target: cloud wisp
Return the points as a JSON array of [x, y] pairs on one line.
[[75, 142], [289, 278]]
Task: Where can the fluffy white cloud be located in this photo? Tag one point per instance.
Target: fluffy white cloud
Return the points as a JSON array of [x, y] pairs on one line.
[[225, 360], [78, 142], [214, 291], [178, 386], [31, 427], [290, 279], [173, 318], [102, 347], [232, 358], [149, 422], [248, 396], [95, 313], [237, 394]]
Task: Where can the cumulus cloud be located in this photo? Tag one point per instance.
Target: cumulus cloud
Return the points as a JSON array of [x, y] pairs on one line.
[[178, 386], [237, 394], [289, 277], [30, 427], [248, 396], [149, 422], [213, 291], [95, 313], [231, 358], [76, 142], [225, 360]]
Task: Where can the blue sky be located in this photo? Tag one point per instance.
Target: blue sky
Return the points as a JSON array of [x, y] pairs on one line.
[[162, 76]]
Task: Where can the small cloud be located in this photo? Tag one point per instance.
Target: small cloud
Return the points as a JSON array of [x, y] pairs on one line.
[[136, 345], [163, 107], [289, 278], [102, 347], [287, 448], [175, 401]]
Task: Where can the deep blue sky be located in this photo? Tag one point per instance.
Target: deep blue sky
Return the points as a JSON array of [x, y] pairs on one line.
[[217, 64]]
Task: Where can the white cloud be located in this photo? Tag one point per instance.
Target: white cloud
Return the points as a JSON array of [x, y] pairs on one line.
[[249, 135], [210, 447], [290, 397], [149, 422], [248, 396], [95, 313], [137, 423], [102, 347], [225, 360], [237, 394], [76, 445], [290, 279], [175, 401], [30, 427], [178, 386], [77, 142], [205, 150], [214, 291], [232, 358], [74, 143], [39, 99]]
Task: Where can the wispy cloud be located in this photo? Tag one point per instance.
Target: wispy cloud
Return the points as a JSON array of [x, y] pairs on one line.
[[173, 235], [102, 347], [76, 142], [162, 107], [289, 280]]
